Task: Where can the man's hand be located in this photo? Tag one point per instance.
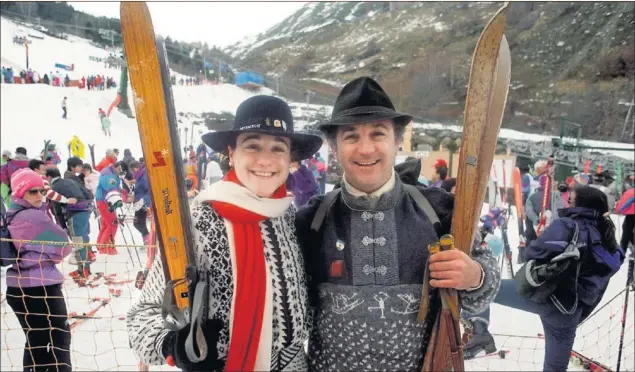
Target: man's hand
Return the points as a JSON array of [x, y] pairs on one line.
[[454, 269], [72, 201]]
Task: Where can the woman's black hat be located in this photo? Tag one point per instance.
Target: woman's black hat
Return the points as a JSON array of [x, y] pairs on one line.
[[268, 115]]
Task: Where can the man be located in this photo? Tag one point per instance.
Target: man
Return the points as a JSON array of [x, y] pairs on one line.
[[74, 166], [600, 182], [108, 198], [19, 161], [109, 159], [39, 167], [302, 183], [143, 199], [440, 173], [75, 219], [367, 246], [64, 108]]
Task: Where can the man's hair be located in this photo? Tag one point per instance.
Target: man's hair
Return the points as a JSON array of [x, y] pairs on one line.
[[53, 173], [35, 164], [134, 165], [20, 150], [74, 161], [331, 132], [87, 167]]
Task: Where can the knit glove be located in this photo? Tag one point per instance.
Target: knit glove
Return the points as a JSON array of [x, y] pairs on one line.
[[173, 348]]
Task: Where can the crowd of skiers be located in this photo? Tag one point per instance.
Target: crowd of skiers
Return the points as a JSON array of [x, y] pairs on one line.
[[57, 79], [46, 209], [285, 262]]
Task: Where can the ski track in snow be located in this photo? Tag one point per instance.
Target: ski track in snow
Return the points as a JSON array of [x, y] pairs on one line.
[[102, 343]]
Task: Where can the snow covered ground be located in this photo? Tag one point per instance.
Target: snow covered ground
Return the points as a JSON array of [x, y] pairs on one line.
[[30, 114]]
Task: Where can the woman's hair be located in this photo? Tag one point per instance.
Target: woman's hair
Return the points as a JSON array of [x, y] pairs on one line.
[[592, 198], [448, 184]]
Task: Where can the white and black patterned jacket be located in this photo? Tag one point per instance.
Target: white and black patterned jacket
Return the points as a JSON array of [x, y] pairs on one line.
[[290, 328]]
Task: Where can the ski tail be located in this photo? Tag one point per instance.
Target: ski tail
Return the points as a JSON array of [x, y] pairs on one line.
[[488, 86]]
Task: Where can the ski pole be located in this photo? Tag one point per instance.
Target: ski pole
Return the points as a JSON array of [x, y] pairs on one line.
[[135, 244], [125, 240]]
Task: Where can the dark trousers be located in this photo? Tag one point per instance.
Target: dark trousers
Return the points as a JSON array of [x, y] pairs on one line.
[[140, 218], [64, 109], [42, 314], [559, 329], [530, 233], [79, 226]]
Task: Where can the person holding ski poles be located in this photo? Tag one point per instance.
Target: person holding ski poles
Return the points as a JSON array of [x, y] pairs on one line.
[[143, 211], [567, 272], [366, 245], [245, 239], [74, 218], [108, 198]]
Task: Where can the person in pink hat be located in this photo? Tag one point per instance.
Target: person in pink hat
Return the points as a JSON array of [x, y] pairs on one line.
[[34, 283]]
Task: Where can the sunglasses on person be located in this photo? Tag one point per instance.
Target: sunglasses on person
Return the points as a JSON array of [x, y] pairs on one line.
[[37, 191]]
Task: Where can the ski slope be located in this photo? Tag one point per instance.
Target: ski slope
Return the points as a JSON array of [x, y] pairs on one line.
[[31, 114]]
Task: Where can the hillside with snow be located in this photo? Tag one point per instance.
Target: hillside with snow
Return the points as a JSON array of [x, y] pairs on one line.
[[569, 59]]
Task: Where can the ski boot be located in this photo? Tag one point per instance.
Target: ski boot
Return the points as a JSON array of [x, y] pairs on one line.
[[480, 340]]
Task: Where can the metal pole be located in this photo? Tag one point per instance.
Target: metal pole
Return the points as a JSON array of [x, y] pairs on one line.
[[192, 135], [26, 46], [628, 115]]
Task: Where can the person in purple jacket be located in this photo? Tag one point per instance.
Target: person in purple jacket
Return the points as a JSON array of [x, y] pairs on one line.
[[552, 285], [34, 283], [302, 183]]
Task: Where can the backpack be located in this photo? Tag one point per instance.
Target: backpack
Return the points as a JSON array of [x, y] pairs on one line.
[[538, 281], [8, 252]]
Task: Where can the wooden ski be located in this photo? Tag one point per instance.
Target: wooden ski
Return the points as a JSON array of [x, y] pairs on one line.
[[487, 94], [160, 146]]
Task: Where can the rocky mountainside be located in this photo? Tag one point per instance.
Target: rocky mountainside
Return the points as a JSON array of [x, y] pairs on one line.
[[573, 60]]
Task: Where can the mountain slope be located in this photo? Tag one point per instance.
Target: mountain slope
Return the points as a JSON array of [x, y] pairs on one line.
[[573, 60]]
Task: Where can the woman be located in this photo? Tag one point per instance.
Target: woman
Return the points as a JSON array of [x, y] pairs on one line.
[[34, 284], [574, 297], [244, 231]]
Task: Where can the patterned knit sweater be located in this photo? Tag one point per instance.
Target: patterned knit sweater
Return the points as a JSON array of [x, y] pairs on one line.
[[366, 272], [290, 323]]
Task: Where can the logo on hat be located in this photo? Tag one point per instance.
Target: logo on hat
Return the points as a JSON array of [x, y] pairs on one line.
[[268, 122]]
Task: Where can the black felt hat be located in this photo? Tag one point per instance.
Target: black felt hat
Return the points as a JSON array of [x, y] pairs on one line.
[[363, 101], [267, 115]]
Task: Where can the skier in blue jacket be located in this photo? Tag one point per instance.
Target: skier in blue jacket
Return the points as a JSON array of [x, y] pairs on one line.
[[575, 296]]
